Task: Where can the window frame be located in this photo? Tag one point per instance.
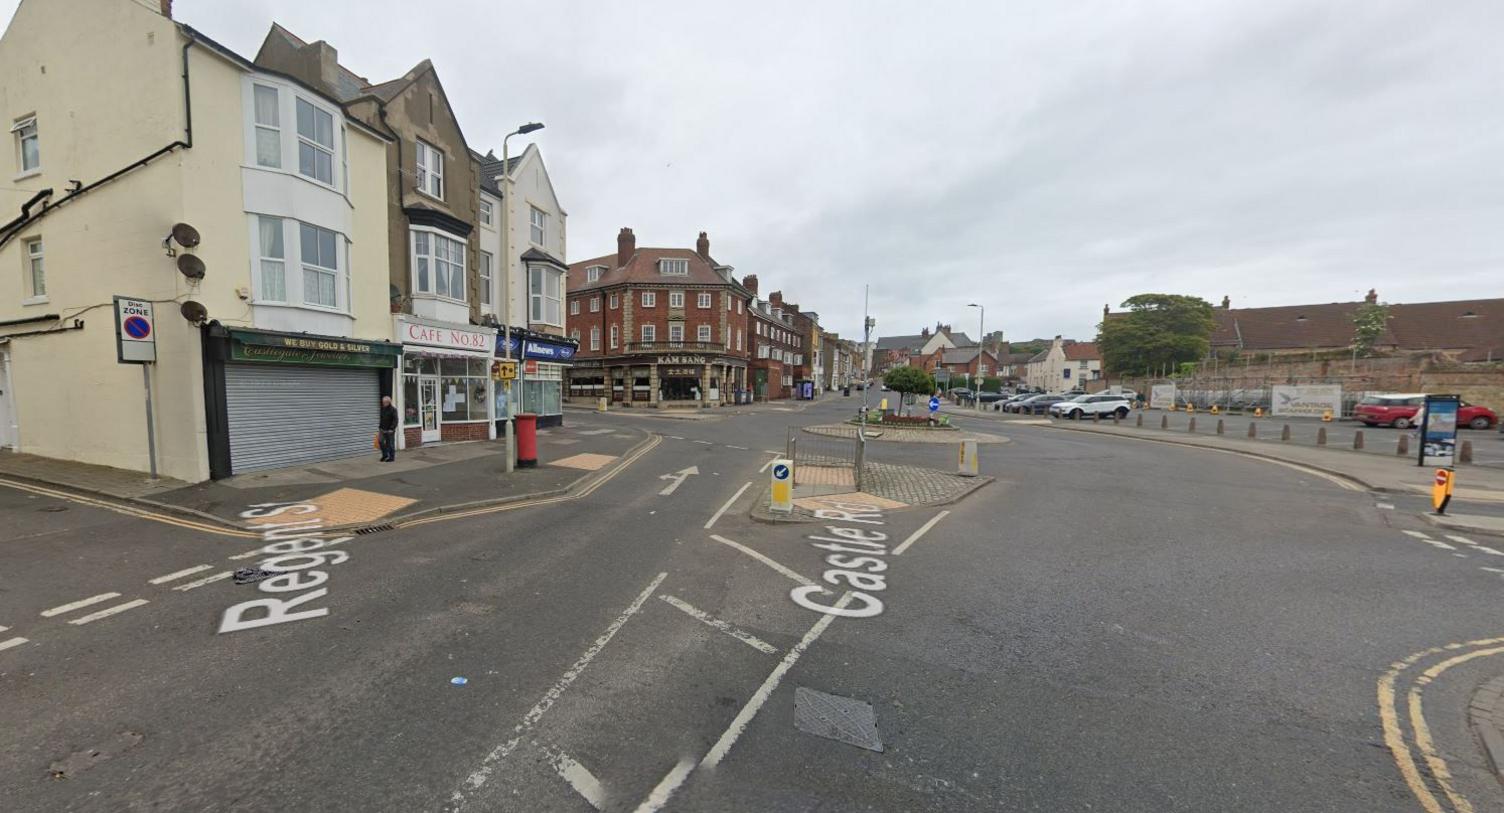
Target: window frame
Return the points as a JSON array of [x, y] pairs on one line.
[[486, 272], [427, 173], [612, 302], [35, 255], [574, 306], [703, 300], [262, 258], [313, 143], [486, 213], [676, 299], [537, 226], [594, 272], [595, 337], [322, 271], [703, 333], [274, 128], [673, 342], [615, 335], [595, 304], [19, 128], [649, 333], [673, 262], [649, 299]]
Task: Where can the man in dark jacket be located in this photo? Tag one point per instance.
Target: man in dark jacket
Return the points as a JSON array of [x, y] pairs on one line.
[[388, 430]]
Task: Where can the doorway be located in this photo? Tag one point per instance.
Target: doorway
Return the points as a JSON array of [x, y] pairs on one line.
[[428, 408]]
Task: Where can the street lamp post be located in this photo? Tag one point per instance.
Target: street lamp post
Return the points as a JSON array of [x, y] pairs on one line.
[[506, 283], [976, 396]]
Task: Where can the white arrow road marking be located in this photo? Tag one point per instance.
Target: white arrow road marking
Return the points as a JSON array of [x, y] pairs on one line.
[[678, 478], [705, 618]]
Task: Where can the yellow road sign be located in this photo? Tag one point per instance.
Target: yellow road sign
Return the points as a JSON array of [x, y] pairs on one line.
[[504, 370], [1441, 489]]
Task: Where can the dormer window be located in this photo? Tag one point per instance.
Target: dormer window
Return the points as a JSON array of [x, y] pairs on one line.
[[594, 272], [674, 268]]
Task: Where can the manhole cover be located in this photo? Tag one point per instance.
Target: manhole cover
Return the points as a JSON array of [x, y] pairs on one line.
[[838, 718]]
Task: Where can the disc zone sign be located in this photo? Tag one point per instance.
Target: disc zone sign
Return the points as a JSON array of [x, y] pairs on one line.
[[135, 331]]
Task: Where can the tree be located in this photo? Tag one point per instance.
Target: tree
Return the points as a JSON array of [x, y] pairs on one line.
[[992, 384], [1369, 322], [908, 380], [1159, 330]]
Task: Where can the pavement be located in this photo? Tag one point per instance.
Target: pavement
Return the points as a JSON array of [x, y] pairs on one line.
[[359, 491], [1111, 624]]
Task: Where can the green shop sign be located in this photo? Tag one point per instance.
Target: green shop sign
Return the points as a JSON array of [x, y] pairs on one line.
[[275, 348]]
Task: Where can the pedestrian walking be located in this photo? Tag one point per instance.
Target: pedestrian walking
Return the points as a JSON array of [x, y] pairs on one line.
[[388, 430]]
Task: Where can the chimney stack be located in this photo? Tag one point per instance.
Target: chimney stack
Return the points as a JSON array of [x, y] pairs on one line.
[[328, 64], [925, 333], [1226, 303], [702, 245], [776, 299], [167, 9], [1372, 298], [626, 246], [750, 283]]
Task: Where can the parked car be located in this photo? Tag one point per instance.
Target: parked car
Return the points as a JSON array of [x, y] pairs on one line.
[[992, 397], [1038, 404], [1003, 405], [1398, 410], [1085, 406]]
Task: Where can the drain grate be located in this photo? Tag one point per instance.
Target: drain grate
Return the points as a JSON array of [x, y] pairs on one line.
[[838, 718], [374, 529]]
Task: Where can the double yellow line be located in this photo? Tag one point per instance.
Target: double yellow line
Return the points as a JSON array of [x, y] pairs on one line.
[[128, 510], [1394, 735]]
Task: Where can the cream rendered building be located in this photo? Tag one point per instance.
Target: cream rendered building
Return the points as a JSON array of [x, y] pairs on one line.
[[126, 123]]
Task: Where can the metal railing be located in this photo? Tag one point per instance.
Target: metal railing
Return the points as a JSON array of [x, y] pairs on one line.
[[827, 461]]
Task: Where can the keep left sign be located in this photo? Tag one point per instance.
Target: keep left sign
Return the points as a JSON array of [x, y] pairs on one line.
[[135, 331]]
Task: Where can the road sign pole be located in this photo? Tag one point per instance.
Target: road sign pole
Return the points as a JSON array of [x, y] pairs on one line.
[[151, 431]]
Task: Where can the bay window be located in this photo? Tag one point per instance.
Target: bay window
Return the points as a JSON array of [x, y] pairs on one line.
[[438, 265], [315, 143], [320, 266], [268, 116], [545, 295]]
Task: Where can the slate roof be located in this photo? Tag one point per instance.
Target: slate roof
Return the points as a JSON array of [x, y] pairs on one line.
[[960, 355], [1473, 326], [913, 342], [491, 166]]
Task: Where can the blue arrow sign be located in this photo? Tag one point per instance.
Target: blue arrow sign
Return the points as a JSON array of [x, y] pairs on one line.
[[934, 403], [780, 472]]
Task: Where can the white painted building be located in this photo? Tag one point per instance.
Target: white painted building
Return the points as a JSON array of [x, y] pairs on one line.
[[1064, 366], [127, 123]]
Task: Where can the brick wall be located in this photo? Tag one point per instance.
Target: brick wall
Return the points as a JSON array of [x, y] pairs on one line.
[[465, 431]]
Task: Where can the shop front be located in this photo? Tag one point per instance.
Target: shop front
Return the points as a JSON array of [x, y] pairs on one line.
[[667, 380], [285, 399], [543, 363], [446, 382]]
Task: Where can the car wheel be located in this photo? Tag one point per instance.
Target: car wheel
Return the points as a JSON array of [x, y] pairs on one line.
[[1480, 423], [1401, 423], [1122, 412], [1075, 415]]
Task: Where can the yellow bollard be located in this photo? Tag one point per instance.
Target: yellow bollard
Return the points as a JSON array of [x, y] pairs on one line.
[[1190, 407], [1258, 412], [1214, 409], [1326, 416]]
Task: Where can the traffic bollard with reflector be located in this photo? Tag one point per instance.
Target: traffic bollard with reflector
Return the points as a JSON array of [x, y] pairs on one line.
[[781, 486]]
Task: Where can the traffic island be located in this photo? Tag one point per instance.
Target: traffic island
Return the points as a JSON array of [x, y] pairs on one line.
[[890, 486], [905, 434]]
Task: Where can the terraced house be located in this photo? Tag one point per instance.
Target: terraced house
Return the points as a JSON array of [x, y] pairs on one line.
[[236, 199]]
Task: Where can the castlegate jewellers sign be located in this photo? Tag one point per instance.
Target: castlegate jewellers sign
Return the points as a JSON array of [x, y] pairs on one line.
[[274, 348]]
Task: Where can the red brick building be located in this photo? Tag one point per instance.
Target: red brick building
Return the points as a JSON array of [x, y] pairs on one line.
[[658, 327], [779, 356]]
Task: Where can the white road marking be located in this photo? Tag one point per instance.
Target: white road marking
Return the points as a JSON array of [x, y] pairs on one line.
[[1491, 569], [1435, 543], [249, 555], [3, 628], [674, 437], [1384, 505], [678, 479], [1460, 555], [579, 777], [727, 506], [70, 607], [711, 621], [666, 786], [1416, 534], [923, 529], [180, 574], [766, 465], [201, 582], [1464, 540], [761, 558], [742, 448], [488, 764], [706, 442], [744, 717], [10, 642], [597, 432], [109, 611]]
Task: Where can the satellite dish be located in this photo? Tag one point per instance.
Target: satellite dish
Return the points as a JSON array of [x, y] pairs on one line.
[[185, 235], [191, 266], [194, 312]]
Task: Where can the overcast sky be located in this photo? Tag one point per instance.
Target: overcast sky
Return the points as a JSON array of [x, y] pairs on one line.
[[1040, 158]]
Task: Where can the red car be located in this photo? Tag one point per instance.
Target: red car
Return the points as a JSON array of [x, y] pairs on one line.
[[1399, 411]]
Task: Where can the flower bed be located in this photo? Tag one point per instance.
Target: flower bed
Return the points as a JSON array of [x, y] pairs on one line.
[[906, 421]]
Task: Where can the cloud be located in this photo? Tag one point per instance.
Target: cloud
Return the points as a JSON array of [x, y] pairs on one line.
[[1039, 158]]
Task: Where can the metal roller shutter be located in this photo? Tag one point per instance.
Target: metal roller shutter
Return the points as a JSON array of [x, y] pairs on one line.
[[286, 416]]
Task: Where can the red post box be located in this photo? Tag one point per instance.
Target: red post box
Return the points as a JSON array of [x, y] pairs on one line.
[[527, 441]]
